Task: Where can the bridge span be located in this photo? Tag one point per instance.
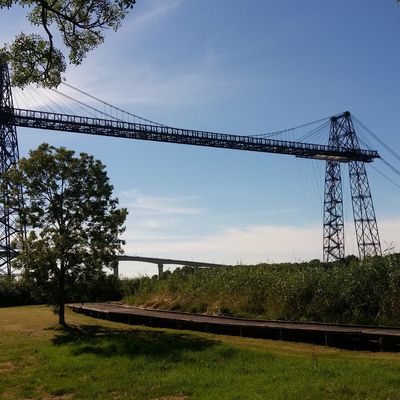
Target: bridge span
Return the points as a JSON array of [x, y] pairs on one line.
[[160, 262]]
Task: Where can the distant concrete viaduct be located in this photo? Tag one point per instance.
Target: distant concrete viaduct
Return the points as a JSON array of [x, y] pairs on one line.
[[160, 262]]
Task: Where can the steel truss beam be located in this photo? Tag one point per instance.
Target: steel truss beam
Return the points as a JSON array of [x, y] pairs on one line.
[[96, 126], [343, 135]]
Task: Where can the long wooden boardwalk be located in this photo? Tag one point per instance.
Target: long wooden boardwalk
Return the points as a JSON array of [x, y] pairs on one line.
[[356, 337]]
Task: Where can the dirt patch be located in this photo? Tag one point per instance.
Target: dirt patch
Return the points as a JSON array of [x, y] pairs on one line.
[[55, 397], [47, 396], [7, 367]]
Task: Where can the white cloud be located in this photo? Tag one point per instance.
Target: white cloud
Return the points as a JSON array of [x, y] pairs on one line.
[[248, 245], [158, 205], [162, 226], [245, 244]]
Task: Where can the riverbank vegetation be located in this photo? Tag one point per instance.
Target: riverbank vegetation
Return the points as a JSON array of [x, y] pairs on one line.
[[360, 292], [353, 291]]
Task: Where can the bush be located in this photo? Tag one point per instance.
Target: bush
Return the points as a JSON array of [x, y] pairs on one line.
[[17, 292], [14, 293]]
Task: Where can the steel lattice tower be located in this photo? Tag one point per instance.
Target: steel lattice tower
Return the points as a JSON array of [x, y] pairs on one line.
[[9, 155], [343, 135], [333, 230], [343, 147]]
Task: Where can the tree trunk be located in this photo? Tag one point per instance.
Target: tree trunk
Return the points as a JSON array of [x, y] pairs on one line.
[[61, 314], [61, 295]]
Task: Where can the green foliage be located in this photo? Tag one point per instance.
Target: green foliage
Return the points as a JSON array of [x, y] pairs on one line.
[[73, 222], [26, 291], [27, 56], [103, 288], [80, 26], [366, 291], [15, 293]]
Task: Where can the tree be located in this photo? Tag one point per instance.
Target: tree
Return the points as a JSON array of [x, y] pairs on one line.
[[72, 220], [80, 25]]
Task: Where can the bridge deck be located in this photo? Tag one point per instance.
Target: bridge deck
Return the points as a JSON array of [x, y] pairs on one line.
[[345, 336], [169, 261], [116, 128]]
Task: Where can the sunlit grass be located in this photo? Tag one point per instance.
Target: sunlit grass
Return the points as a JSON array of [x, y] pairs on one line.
[[96, 359]]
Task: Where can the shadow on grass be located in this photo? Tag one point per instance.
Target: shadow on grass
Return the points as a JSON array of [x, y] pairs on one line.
[[107, 342]]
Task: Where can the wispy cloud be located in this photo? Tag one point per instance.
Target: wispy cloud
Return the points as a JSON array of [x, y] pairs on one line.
[[158, 205], [145, 81], [159, 9], [251, 244], [153, 85]]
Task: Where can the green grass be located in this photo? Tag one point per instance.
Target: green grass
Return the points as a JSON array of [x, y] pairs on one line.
[[96, 359]]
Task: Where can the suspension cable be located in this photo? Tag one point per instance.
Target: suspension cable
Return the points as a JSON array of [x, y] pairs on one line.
[[316, 131], [380, 141], [386, 177], [85, 105], [395, 170], [276, 133], [112, 106]]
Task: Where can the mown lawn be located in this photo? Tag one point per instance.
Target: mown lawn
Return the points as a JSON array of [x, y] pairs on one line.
[[103, 360]]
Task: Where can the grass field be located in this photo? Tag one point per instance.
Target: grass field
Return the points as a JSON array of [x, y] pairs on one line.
[[96, 359]]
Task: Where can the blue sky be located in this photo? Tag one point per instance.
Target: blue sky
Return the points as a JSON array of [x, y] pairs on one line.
[[245, 67]]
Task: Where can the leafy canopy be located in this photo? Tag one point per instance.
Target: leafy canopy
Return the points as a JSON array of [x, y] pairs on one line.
[[72, 219], [80, 25]]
